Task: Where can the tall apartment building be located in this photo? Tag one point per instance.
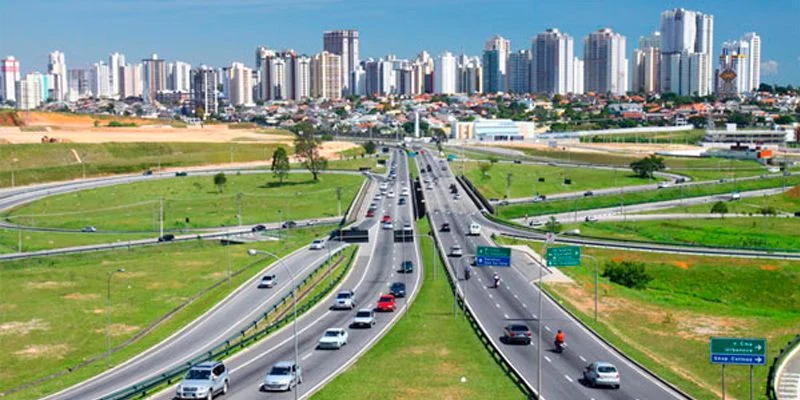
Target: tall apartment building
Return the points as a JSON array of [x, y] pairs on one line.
[[326, 75], [241, 85], [519, 72], [77, 83], [154, 77], [130, 82], [58, 69], [115, 63], [753, 59], [737, 72], [495, 64], [179, 76], [28, 91], [577, 76], [345, 44], [645, 72], [686, 48], [605, 65], [444, 74], [552, 66], [99, 80], [204, 90], [470, 74], [422, 73], [9, 75]]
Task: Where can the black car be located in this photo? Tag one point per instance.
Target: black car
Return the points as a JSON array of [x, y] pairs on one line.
[[166, 238], [407, 267], [181, 173], [398, 289], [445, 227], [147, 173], [517, 333], [258, 228], [589, 193], [401, 201], [517, 162], [288, 224], [797, 214]]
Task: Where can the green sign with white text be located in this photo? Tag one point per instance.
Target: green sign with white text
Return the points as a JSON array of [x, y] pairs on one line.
[[569, 256]]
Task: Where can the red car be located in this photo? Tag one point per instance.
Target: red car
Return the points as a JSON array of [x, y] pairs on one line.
[[370, 214], [386, 303], [386, 218]]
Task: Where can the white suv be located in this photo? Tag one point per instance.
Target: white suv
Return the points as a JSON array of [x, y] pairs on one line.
[[345, 299], [203, 381]]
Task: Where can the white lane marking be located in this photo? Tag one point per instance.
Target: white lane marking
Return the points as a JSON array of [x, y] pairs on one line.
[[497, 305], [505, 315], [305, 357], [516, 297], [548, 359], [490, 296], [547, 328], [582, 359], [570, 379], [526, 306]]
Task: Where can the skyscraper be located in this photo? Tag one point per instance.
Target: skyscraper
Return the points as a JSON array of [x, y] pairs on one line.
[[552, 66], [470, 75], [9, 75], [204, 93], [444, 71], [686, 48], [154, 76], [78, 83], [115, 63], [645, 70], [519, 72], [577, 76], [605, 66], [496, 51], [345, 44], [326, 75], [29, 91], [130, 82], [241, 85], [732, 77], [178, 76], [302, 78], [753, 60], [58, 69], [99, 80]]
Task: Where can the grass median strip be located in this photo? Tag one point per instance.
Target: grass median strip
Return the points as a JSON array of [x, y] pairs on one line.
[[10, 239], [429, 350], [666, 326]]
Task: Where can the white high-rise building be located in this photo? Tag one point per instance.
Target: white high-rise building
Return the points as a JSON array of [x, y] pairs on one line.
[[753, 60], [28, 91], [345, 44], [577, 76], [302, 78], [495, 64], [154, 77], [552, 66], [241, 85], [115, 63], [99, 80], [685, 33], [519, 72], [277, 79], [359, 79], [444, 74], [651, 40], [58, 69], [605, 66], [78, 84], [9, 75], [130, 82], [326, 73], [470, 75], [179, 76], [645, 70]]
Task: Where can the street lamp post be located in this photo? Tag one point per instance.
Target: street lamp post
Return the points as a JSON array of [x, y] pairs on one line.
[[254, 252], [108, 315]]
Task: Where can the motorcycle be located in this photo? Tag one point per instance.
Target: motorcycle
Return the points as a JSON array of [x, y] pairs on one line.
[[466, 274], [560, 346]]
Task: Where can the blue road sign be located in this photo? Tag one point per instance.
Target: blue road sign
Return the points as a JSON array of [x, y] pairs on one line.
[[738, 359], [493, 257]]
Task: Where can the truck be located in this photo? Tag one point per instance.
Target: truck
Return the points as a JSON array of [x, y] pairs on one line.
[[474, 229]]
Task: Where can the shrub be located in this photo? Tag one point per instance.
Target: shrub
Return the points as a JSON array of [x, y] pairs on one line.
[[627, 273]]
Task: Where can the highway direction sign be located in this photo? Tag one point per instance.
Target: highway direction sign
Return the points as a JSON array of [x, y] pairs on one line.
[[738, 351], [493, 257], [563, 256]]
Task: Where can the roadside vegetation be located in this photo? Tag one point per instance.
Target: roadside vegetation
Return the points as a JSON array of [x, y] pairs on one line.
[[427, 367], [690, 137], [10, 239], [192, 202], [38, 341], [784, 203], [667, 325]]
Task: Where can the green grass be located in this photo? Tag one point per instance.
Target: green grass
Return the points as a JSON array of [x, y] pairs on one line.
[[421, 364], [667, 326], [135, 206], [754, 233], [524, 179], [36, 163], [586, 203], [787, 202], [690, 137], [354, 164], [33, 240], [156, 280]]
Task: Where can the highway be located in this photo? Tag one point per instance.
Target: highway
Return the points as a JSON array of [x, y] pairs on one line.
[[517, 301], [375, 269]]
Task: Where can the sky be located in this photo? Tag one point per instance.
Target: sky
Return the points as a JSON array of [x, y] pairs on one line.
[[218, 32]]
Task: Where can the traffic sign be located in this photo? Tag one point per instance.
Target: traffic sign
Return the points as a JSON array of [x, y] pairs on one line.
[[738, 351], [493, 257], [563, 256]]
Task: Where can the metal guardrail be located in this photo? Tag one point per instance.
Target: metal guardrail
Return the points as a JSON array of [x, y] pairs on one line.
[[773, 369], [241, 340], [474, 194], [355, 206]]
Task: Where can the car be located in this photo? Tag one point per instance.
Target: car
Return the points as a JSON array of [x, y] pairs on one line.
[[181, 173], [407, 227], [345, 299], [387, 225], [588, 193], [147, 172], [590, 218], [517, 162], [537, 223], [317, 244], [282, 376], [386, 218], [736, 196], [390, 194], [445, 227], [474, 229], [383, 186], [386, 303], [406, 267], [166, 238], [370, 213], [516, 333], [288, 225], [398, 289], [429, 187], [267, 281], [373, 205], [365, 318], [378, 197], [333, 338], [204, 381], [663, 185], [401, 201], [88, 229], [797, 213], [456, 251], [404, 192], [680, 180], [258, 228], [601, 373]]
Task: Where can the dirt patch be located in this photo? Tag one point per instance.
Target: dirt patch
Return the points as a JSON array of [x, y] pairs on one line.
[[23, 328], [98, 311], [119, 329], [164, 285], [49, 285], [81, 296], [681, 264], [617, 259], [769, 268], [794, 192], [699, 327], [56, 351]]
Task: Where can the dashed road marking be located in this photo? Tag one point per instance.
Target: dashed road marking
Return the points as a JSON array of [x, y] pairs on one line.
[[505, 315], [547, 328], [305, 357], [582, 359], [497, 305], [548, 359], [568, 378]]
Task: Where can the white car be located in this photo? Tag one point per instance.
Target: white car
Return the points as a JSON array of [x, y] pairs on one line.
[[318, 244], [404, 192], [390, 194], [662, 185], [345, 299], [602, 374], [474, 229], [365, 318], [456, 251], [267, 281], [384, 186], [590, 218], [388, 225], [283, 376], [333, 338]]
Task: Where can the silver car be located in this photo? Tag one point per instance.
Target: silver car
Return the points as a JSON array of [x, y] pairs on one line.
[[601, 373], [283, 376], [333, 338], [204, 381]]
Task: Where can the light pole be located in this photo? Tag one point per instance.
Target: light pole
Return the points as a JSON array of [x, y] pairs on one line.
[[108, 315], [254, 252]]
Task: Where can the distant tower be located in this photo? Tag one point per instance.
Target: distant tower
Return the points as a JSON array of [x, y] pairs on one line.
[[416, 124]]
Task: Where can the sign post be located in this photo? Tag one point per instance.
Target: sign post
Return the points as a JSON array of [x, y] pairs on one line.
[[493, 257], [569, 256], [738, 351]]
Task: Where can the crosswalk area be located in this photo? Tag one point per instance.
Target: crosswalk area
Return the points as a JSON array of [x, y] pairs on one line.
[[789, 386]]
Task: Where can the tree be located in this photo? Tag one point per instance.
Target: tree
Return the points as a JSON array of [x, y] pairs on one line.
[[484, 167], [719, 208], [553, 225], [219, 181], [369, 147], [784, 119], [280, 164], [740, 119], [630, 274], [304, 127], [493, 159], [306, 147], [645, 167]]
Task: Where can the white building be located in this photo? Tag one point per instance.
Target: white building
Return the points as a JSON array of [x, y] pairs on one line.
[[645, 69], [130, 82], [753, 60], [358, 80], [605, 66], [444, 71], [78, 83], [578, 66], [302, 78], [99, 80], [733, 72], [552, 66], [326, 72], [29, 92], [9, 75], [154, 77], [241, 85], [345, 44], [491, 130], [470, 75], [58, 69], [179, 76], [684, 34], [116, 61]]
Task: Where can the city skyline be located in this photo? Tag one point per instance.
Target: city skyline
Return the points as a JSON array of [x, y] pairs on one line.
[[82, 48]]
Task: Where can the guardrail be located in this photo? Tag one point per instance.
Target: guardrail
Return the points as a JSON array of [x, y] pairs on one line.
[[774, 369], [241, 340], [474, 194], [351, 214]]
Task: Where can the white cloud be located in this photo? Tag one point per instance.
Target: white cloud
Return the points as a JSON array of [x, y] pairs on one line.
[[769, 67]]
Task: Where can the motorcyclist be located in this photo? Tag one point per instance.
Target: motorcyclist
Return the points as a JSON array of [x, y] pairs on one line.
[[559, 340], [467, 271], [496, 280]]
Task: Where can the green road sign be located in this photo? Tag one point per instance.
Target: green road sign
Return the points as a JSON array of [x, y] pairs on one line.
[[493, 257], [563, 256], [738, 351]]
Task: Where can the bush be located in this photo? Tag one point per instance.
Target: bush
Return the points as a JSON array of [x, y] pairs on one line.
[[627, 273], [768, 210], [117, 124]]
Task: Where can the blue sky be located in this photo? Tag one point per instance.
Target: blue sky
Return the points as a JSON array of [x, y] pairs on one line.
[[217, 32]]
